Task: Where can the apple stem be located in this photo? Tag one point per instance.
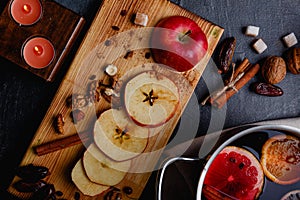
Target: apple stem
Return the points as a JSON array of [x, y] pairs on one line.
[[185, 34]]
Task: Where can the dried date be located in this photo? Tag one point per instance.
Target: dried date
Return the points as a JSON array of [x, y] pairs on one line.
[[23, 186], [31, 173], [225, 54], [267, 89], [113, 194], [45, 193]]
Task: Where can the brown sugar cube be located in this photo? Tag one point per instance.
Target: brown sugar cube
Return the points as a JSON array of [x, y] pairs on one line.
[[141, 19]]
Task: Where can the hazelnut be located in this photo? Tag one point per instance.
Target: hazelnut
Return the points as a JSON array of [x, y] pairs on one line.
[[293, 60], [274, 69]]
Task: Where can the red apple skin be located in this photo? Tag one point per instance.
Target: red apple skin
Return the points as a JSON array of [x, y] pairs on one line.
[[170, 47]]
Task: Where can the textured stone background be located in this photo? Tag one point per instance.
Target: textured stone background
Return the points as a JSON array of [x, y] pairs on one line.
[[24, 98]]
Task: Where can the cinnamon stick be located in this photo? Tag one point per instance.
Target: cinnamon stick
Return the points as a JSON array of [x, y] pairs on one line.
[[222, 99], [241, 68], [62, 143]]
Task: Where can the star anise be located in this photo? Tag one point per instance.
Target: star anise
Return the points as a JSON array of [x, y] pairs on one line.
[[149, 97]]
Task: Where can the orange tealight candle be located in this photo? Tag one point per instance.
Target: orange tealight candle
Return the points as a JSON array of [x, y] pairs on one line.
[[38, 52], [26, 12]]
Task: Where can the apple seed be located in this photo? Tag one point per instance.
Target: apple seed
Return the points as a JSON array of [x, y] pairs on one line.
[[121, 135]]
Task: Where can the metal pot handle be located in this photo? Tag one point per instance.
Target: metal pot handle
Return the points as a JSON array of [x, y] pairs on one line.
[[164, 167]]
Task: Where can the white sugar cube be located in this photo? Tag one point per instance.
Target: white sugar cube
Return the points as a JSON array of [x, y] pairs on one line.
[[260, 46], [290, 40], [252, 31], [141, 19]]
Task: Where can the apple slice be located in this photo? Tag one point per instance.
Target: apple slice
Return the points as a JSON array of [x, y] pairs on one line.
[[83, 183], [151, 98], [118, 136], [101, 169], [178, 42]]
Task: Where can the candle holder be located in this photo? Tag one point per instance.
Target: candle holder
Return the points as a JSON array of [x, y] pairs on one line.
[[51, 24]]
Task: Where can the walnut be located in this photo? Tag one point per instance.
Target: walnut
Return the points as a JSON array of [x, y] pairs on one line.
[[293, 60], [274, 69]]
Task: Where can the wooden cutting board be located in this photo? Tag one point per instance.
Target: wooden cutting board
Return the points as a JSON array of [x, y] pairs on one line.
[[111, 36]]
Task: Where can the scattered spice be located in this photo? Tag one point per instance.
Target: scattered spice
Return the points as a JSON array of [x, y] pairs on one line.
[[77, 196], [77, 115], [92, 77], [127, 190], [59, 193], [79, 101], [147, 55], [107, 43], [128, 54], [93, 92], [116, 28], [123, 13]]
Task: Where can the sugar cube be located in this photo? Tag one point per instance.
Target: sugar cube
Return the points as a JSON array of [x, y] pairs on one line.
[[290, 40], [252, 31], [260, 46]]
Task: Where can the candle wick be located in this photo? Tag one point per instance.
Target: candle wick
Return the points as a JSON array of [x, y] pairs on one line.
[[26, 8], [38, 50]]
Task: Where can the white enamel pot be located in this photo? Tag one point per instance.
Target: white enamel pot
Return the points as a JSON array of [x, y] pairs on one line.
[[253, 129]]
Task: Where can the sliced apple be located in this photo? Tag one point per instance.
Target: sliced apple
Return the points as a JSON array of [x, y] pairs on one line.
[[151, 98], [118, 136], [83, 183], [101, 169]]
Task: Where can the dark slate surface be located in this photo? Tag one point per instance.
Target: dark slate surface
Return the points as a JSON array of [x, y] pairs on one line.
[[24, 98]]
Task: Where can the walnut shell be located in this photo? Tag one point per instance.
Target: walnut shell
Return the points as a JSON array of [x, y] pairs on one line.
[[274, 69], [293, 60]]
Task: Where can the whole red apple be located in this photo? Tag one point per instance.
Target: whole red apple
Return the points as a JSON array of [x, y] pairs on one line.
[[178, 42]]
